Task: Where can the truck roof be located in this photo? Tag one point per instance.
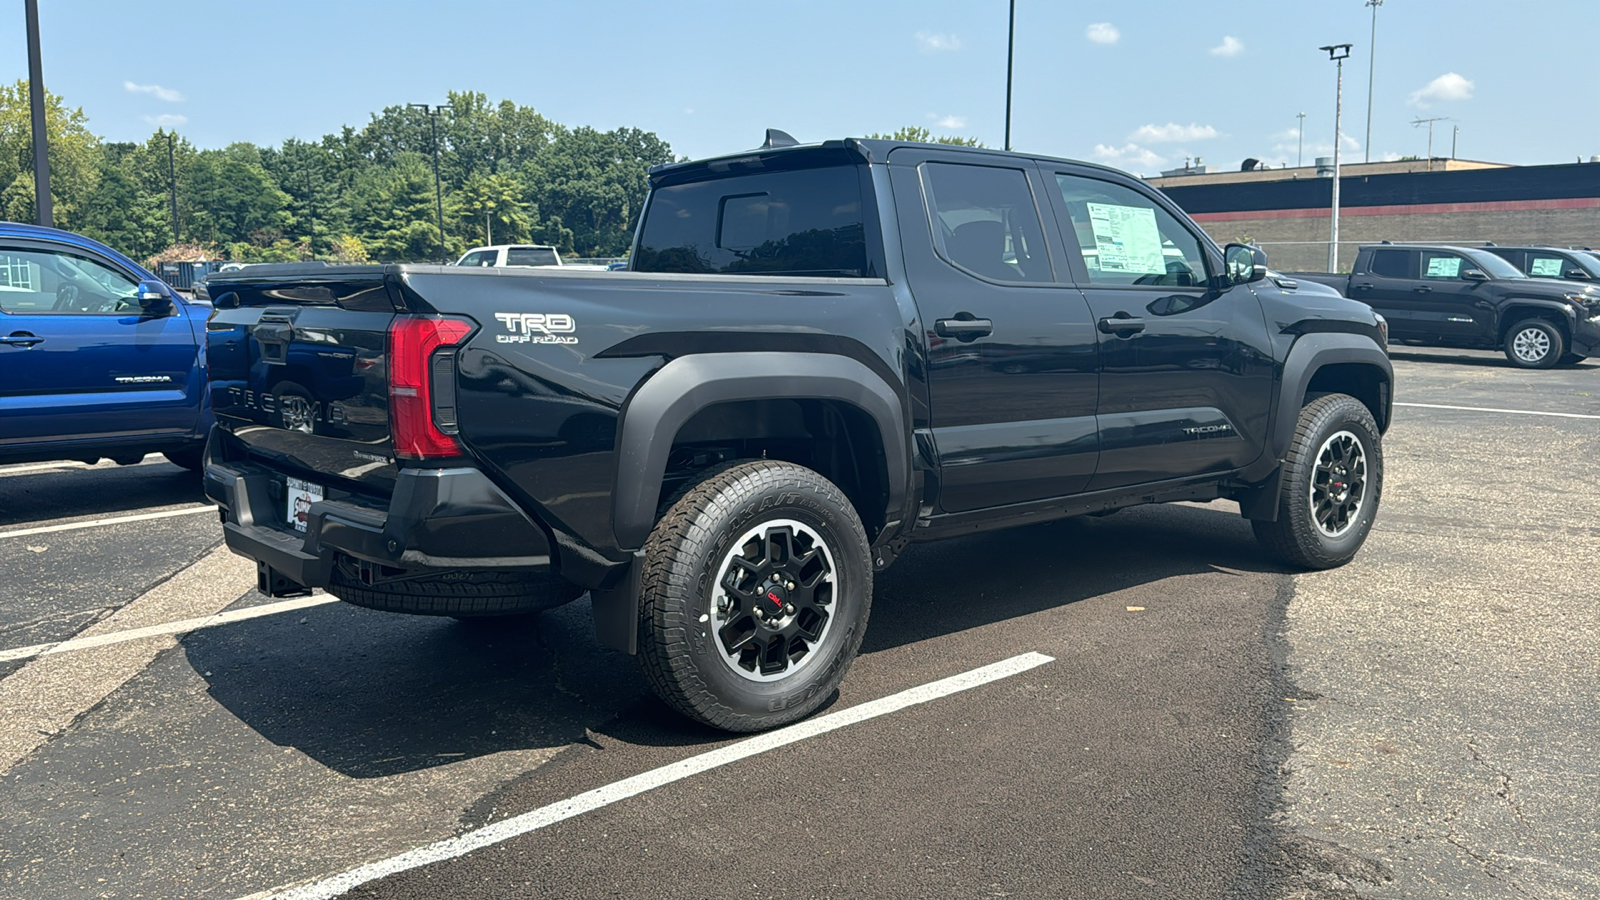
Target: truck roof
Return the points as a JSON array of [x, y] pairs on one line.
[[868, 150]]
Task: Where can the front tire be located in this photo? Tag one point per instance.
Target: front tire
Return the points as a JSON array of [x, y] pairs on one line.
[[1535, 344], [1332, 481], [755, 595]]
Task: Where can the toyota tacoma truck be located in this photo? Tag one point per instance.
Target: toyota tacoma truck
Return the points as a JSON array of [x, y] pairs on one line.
[[820, 354], [1437, 295], [98, 357]]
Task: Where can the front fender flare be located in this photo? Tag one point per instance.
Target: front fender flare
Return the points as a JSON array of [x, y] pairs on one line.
[[688, 384], [1312, 352]]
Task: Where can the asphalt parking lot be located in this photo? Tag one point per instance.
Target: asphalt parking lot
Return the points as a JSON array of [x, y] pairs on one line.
[[1417, 724]]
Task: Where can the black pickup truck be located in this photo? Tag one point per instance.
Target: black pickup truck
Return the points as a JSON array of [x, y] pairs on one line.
[[1446, 296], [820, 354]]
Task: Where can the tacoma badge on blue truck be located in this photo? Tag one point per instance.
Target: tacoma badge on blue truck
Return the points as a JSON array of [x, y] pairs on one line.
[[818, 354]]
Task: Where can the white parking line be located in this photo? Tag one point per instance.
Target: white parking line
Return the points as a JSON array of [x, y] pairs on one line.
[[1514, 412], [178, 627], [638, 784], [114, 520]]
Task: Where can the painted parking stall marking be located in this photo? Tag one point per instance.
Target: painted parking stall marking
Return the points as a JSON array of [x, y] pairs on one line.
[[1513, 412], [113, 520], [648, 781], [181, 626]]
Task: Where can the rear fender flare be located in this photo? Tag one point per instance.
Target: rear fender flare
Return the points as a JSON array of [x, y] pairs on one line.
[[688, 384]]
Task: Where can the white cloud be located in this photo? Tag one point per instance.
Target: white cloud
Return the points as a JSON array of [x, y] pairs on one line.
[[1230, 46], [1129, 156], [1448, 86], [952, 122], [929, 42], [1103, 33], [1172, 131], [161, 93], [166, 120]]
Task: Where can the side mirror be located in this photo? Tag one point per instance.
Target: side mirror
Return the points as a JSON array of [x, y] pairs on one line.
[[1475, 275], [153, 297], [1244, 264]]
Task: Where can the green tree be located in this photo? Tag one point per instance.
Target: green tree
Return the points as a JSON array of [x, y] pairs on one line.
[[240, 201], [494, 206], [392, 209], [922, 135], [74, 158]]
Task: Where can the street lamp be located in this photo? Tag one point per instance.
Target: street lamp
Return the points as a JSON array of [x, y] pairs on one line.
[[1372, 63], [41, 141], [1338, 53], [438, 187], [1011, 43]]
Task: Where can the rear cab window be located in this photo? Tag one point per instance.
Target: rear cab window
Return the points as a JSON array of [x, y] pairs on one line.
[[531, 256], [1391, 264], [794, 216]]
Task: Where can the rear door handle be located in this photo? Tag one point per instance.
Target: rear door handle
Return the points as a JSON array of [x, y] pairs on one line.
[[21, 339], [969, 329], [1361, 287], [1121, 325], [1423, 289]]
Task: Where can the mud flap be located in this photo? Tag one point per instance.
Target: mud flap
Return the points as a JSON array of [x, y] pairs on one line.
[[616, 610]]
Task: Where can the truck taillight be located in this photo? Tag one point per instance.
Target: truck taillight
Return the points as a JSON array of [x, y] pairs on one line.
[[422, 384]]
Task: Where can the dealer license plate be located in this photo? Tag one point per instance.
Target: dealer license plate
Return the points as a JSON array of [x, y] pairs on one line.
[[301, 495]]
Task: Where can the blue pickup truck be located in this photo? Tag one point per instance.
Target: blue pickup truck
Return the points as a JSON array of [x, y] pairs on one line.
[[98, 357]]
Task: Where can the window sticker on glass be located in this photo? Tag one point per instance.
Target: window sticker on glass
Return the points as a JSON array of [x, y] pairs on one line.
[[1126, 239], [1548, 266], [1444, 267]]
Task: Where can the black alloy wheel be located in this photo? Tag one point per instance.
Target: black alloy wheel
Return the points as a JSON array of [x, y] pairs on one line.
[[755, 595], [1331, 482]]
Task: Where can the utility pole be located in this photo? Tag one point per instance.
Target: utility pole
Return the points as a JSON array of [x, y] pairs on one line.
[[1300, 155], [1415, 123], [1454, 133], [311, 213], [1011, 44], [1338, 53], [41, 140], [172, 178], [438, 187], [1372, 64]]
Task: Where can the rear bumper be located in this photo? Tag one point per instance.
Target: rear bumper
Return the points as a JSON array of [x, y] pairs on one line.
[[441, 519]]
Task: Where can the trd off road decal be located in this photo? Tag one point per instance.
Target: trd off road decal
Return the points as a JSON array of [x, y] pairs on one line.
[[536, 328]]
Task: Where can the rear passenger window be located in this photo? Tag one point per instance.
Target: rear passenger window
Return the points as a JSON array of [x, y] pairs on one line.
[[800, 222], [1127, 238], [1390, 263], [985, 221]]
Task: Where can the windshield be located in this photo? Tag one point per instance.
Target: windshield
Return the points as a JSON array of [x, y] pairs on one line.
[[1496, 266]]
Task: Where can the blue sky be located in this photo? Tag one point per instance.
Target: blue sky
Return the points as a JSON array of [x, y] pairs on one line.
[[1140, 85]]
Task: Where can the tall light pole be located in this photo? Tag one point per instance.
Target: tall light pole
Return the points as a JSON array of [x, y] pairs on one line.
[[438, 186], [172, 180], [41, 140], [1338, 53], [1300, 154], [1372, 64], [1011, 43]]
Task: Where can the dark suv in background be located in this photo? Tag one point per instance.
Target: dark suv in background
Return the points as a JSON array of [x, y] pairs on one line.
[[1551, 262]]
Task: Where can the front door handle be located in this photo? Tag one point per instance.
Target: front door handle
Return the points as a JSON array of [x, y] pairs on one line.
[[1121, 325], [1361, 287], [21, 339], [1422, 289], [969, 328]]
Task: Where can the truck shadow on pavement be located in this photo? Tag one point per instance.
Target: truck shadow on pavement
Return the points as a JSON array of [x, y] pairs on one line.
[[373, 694], [68, 493]]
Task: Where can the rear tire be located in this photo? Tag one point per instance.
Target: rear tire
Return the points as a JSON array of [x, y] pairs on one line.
[[1535, 344], [755, 595], [1331, 485], [459, 594]]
